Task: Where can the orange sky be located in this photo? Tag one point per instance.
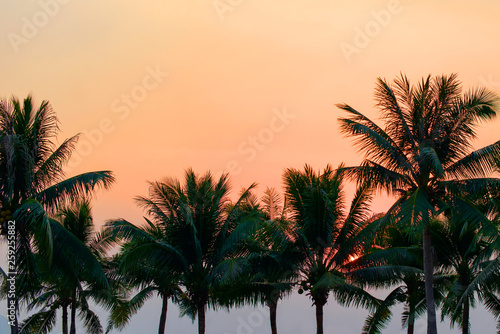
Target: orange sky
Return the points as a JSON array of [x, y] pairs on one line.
[[223, 71]]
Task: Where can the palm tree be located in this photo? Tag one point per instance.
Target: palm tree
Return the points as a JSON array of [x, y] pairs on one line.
[[424, 155], [74, 276], [276, 277], [136, 269], [205, 237], [32, 181], [464, 252], [327, 236]]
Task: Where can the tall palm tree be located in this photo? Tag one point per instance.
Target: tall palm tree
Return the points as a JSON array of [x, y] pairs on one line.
[[327, 235], [424, 155], [206, 236], [32, 181], [74, 276]]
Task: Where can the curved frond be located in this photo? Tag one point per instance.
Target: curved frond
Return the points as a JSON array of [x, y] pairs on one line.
[[74, 188], [91, 321], [42, 322], [123, 311], [51, 169]]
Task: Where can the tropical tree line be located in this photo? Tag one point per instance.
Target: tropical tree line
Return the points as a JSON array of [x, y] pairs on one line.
[[435, 248]]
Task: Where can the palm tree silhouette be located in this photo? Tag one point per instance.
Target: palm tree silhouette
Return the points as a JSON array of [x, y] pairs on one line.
[[74, 276], [327, 236], [424, 155]]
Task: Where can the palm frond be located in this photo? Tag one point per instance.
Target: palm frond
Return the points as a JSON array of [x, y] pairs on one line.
[[74, 188], [123, 310], [372, 140], [51, 168], [378, 320]]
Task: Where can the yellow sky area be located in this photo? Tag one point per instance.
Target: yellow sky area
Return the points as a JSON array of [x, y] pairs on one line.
[[250, 87]]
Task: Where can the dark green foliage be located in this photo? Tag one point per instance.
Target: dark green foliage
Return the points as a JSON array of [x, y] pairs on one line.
[[32, 183], [424, 156], [327, 235]]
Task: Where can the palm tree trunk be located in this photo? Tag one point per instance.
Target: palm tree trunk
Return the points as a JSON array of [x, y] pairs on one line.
[[319, 318], [411, 327], [72, 330], [273, 306], [14, 328], [428, 273], [163, 316], [201, 319], [65, 319], [465, 316]]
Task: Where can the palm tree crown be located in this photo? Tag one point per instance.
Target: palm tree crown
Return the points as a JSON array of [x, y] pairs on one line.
[[327, 235]]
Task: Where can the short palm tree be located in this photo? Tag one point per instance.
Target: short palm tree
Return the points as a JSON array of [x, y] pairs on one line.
[[32, 181], [424, 155], [327, 235], [143, 247], [463, 251], [394, 261], [205, 237]]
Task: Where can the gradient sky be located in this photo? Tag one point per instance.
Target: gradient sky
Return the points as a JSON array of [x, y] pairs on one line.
[[247, 86]]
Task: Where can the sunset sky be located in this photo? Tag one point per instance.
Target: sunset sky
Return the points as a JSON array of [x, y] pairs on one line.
[[244, 86]]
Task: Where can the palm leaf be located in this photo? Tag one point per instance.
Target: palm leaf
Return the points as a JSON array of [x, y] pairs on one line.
[[377, 321], [90, 321]]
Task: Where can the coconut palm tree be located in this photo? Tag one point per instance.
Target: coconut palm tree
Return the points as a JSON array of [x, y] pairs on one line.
[[136, 269], [74, 276], [327, 236], [424, 156], [483, 275], [32, 181], [273, 260], [205, 237], [58, 295], [464, 252], [394, 261]]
